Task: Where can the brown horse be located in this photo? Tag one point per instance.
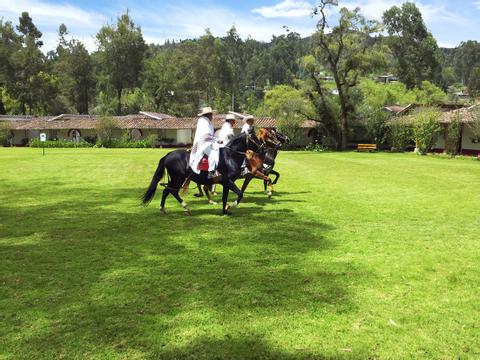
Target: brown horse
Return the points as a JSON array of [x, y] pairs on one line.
[[271, 140]]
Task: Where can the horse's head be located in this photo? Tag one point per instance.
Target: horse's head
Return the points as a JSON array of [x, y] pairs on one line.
[[243, 142], [254, 143], [271, 138]]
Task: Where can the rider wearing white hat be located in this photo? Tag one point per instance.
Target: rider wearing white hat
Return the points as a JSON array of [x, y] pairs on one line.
[[248, 126], [204, 142], [226, 132]]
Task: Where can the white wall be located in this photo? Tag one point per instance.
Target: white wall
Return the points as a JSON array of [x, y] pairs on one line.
[[184, 136], [467, 137]]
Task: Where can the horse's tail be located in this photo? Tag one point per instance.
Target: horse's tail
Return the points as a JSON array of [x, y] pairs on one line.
[[150, 193]]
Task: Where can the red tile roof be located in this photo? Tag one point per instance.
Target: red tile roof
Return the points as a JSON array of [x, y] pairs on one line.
[[140, 121]]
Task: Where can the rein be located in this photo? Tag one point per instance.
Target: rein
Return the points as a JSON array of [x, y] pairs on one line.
[[247, 139]]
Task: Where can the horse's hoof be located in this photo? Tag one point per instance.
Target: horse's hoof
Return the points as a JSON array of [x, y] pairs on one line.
[[270, 195], [227, 213], [162, 211], [187, 212], [214, 193], [211, 202]]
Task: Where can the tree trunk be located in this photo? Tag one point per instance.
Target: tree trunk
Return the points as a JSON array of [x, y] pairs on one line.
[[86, 101], [2, 108], [119, 101], [343, 115]]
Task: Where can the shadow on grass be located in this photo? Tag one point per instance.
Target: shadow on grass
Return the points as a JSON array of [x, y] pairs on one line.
[[247, 347], [93, 272]]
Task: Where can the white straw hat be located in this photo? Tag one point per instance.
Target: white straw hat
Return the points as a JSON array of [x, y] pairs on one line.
[[230, 117], [207, 110], [248, 117]]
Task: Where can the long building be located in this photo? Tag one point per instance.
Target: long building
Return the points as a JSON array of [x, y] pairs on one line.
[[170, 130]]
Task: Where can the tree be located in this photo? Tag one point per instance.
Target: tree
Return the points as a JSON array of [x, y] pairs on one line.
[[74, 66], [289, 107], [346, 52], [5, 134], [474, 81], [234, 54], [399, 133], [413, 46], [429, 94], [9, 44], [105, 128], [28, 62], [466, 59], [425, 129], [121, 48], [453, 136]]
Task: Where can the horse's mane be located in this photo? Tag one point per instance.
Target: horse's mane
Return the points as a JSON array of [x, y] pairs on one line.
[[237, 138]]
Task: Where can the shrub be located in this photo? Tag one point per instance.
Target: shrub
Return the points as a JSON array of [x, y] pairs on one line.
[[425, 129], [377, 126], [151, 140], [5, 134], [399, 134], [316, 146], [36, 143], [453, 135], [105, 128]]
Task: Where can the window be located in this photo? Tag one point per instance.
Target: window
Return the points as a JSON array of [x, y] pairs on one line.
[[74, 135], [136, 134]]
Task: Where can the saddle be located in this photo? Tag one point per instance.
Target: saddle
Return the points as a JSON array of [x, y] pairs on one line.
[[203, 164]]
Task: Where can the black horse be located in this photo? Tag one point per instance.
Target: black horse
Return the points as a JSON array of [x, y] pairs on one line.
[[179, 173], [270, 154]]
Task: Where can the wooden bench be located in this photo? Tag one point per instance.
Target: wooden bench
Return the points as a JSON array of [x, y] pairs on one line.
[[367, 147]]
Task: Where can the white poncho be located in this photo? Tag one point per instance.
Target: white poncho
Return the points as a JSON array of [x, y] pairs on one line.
[[226, 133], [246, 128], [204, 143]]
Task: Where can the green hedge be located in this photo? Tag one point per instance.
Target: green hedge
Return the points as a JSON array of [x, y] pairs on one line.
[[36, 143], [131, 144]]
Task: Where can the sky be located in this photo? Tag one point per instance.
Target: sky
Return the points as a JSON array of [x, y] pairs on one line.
[[450, 21]]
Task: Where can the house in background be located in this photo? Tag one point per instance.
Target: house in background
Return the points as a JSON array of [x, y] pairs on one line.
[[386, 79], [170, 130], [469, 143]]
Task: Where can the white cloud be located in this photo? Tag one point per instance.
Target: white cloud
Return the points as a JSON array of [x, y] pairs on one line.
[[286, 9], [374, 9], [82, 24], [477, 4], [183, 22], [46, 13]]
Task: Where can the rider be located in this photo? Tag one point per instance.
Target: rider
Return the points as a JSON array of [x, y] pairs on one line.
[[226, 132], [247, 128], [204, 143]]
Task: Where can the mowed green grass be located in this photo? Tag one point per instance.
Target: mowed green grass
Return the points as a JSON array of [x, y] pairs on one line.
[[356, 256]]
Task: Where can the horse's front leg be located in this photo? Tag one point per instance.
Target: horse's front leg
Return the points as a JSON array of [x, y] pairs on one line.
[[268, 184], [225, 207], [209, 195], [200, 193], [247, 180], [277, 176], [266, 181], [232, 186]]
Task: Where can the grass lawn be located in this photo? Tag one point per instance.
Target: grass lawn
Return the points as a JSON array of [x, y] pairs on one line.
[[356, 256]]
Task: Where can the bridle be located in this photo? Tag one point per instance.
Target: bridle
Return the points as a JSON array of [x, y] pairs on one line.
[[248, 139], [272, 139]]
